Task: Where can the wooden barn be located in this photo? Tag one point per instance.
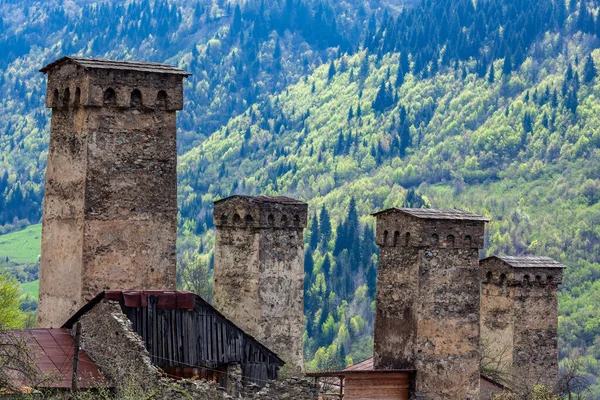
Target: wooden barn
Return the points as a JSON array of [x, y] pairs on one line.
[[187, 337]]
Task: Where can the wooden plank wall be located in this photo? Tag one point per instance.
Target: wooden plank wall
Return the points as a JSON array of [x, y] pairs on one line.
[[200, 338], [389, 386]]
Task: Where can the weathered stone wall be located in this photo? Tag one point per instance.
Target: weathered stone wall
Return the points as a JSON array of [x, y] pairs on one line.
[[110, 208], [520, 307], [108, 338], [497, 315], [427, 302], [292, 389], [259, 270]]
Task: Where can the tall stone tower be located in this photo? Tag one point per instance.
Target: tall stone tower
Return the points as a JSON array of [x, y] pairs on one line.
[[519, 317], [110, 207], [427, 302], [259, 270]]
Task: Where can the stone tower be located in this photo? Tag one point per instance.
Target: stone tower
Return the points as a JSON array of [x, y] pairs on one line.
[[110, 207], [259, 270], [427, 302], [519, 317]]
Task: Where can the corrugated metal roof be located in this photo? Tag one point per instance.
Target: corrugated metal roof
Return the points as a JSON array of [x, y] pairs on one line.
[[529, 261], [265, 199], [365, 365], [97, 63], [52, 352], [432, 213]]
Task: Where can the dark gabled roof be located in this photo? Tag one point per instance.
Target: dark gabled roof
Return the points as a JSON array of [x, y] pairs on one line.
[[265, 199], [528, 261], [431, 213], [52, 352], [168, 300], [96, 63]]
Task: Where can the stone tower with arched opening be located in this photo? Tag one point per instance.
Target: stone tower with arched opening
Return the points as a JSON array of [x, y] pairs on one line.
[[110, 205], [427, 300], [519, 318], [259, 270]]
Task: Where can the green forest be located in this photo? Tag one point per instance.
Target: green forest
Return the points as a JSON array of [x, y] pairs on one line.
[[491, 107]]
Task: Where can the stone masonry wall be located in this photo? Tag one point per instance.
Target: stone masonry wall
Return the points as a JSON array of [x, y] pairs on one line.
[[497, 316], [110, 208], [109, 340], [427, 303], [259, 270], [526, 318]]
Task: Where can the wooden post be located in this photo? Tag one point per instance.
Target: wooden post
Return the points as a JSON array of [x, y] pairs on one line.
[[76, 358]]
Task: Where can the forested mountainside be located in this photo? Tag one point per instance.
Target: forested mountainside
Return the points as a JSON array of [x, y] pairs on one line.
[[490, 106], [495, 111], [238, 54]]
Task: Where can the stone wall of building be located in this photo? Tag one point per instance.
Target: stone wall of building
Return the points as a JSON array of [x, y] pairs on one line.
[[519, 320], [110, 207], [109, 340], [427, 302], [259, 270]]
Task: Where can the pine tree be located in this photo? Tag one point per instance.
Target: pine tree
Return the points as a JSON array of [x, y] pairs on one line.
[[491, 74], [331, 72], [399, 76], [507, 66], [314, 233], [350, 114], [589, 70], [236, 25], [364, 67], [324, 227]]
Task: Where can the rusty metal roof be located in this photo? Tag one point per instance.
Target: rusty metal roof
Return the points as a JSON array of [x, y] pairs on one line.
[[167, 300], [97, 63], [365, 366], [52, 352], [264, 199], [432, 213], [528, 261]]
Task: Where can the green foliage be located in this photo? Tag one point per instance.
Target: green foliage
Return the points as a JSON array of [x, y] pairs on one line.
[[11, 317]]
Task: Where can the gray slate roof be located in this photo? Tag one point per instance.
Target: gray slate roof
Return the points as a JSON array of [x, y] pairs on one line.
[[96, 63], [529, 262], [431, 213], [265, 199]]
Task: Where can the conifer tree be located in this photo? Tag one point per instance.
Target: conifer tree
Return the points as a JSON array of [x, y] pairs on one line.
[[324, 227], [331, 72], [589, 70], [507, 66], [314, 233], [491, 74], [236, 24]]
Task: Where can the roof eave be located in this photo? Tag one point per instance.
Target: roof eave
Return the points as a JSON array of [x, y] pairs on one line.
[[75, 60]]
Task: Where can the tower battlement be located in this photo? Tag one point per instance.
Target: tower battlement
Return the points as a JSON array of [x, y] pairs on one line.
[[519, 316], [260, 212], [110, 207], [83, 82], [427, 299], [409, 227], [259, 269]]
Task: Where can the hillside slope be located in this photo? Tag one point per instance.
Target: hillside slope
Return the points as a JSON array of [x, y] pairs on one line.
[[512, 147]]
